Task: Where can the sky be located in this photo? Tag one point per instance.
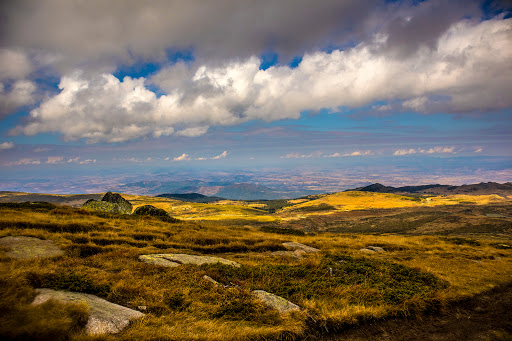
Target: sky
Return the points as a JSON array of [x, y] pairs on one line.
[[419, 88]]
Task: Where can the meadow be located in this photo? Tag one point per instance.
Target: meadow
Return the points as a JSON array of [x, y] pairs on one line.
[[446, 259]]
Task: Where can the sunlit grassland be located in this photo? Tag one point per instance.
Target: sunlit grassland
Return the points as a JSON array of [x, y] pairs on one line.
[[353, 200], [340, 286], [199, 211]]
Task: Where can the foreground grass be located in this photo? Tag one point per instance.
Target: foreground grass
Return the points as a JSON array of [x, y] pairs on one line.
[[337, 288]]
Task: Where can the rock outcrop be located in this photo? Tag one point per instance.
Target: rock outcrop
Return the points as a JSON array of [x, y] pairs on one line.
[[111, 203], [151, 211], [176, 259], [28, 247], [105, 317], [297, 254], [372, 249], [115, 198], [298, 246]]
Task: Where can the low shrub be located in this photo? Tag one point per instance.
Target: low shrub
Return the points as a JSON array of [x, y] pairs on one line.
[[68, 281], [462, 241], [280, 230], [315, 208]]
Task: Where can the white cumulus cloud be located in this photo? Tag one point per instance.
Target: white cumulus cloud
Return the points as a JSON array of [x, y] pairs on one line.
[[182, 157], [23, 161], [433, 150], [6, 145], [221, 156], [54, 160], [405, 151], [20, 94]]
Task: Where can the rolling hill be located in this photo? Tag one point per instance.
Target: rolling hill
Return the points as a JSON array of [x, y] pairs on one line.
[[483, 188]]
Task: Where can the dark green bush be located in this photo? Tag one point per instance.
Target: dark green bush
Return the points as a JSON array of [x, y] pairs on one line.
[[68, 281], [279, 230]]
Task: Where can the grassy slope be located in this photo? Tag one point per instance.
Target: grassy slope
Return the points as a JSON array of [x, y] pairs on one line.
[[416, 274]]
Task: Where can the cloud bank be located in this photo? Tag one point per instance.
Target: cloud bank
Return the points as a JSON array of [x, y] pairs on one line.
[[467, 69]]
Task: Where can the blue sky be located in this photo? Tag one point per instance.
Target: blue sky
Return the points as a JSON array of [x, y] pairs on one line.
[[138, 87]]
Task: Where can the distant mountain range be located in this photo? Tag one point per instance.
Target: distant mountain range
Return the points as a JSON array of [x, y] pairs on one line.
[[483, 188], [221, 189], [190, 197]]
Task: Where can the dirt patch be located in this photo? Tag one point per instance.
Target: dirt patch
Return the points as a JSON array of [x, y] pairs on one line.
[[487, 316]]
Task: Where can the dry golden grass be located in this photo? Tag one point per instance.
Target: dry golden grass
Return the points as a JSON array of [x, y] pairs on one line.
[[198, 211], [353, 200], [339, 286]]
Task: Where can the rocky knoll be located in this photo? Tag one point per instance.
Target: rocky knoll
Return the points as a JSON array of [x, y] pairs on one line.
[[29, 247], [111, 202], [151, 211], [105, 317]]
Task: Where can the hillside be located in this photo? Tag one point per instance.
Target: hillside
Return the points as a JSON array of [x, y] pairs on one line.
[[484, 188], [354, 277], [225, 189], [190, 197]]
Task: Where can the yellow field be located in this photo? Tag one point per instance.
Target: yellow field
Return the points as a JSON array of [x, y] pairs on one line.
[[349, 201], [198, 211]]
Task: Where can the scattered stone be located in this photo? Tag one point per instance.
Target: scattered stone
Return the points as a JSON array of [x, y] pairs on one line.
[[151, 211], [142, 307], [298, 246], [105, 317], [280, 304], [211, 280], [367, 251], [116, 198], [28, 247], [290, 254], [176, 259]]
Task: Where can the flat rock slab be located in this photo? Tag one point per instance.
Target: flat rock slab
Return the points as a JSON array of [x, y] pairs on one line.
[[297, 254], [299, 246], [176, 259], [105, 317], [277, 302], [28, 247], [372, 249]]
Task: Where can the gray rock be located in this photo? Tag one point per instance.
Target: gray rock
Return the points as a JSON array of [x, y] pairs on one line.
[[299, 246], [158, 260], [212, 281], [280, 304], [105, 317], [29, 247], [116, 198], [375, 248], [297, 254], [176, 259], [111, 203], [151, 211], [102, 206]]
